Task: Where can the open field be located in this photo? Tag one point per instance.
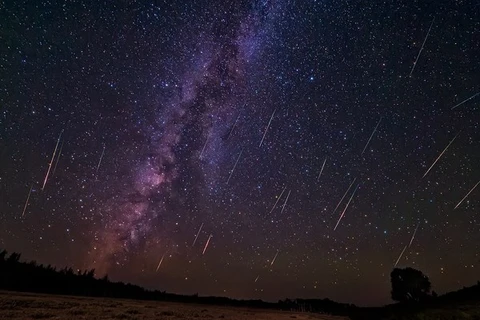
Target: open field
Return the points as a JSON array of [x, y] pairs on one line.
[[456, 311], [15, 305], [460, 312]]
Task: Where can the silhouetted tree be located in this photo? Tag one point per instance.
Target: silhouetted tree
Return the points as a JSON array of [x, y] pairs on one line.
[[409, 285], [90, 274], [14, 258], [3, 253]]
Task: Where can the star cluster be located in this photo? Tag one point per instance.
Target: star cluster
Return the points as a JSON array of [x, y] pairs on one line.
[[252, 149]]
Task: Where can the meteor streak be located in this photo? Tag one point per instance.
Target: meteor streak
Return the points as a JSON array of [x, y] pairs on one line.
[[58, 158], [346, 207], [26, 202], [160, 263], [285, 203], [371, 136], [338, 205], [441, 154], [233, 169], [234, 124], [204, 146], [414, 233], [206, 244], [100, 161], [51, 161], [268, 126], [400, 257], [198, 232], [274, 258], [278, 199], [321, 170], [466, 195], [458, 105], [421, 49]]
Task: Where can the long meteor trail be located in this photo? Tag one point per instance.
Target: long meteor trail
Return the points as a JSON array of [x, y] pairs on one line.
[[206, 244], [459, 104], [51, 161], [100, 161], [414, 233], [321, 170], [441, 154], [58, 158], [268, 126], [338, 205], [278, 199], [346, 207], [286, 200], [160, 263], [274, 258], [400, 256], [235, 165], [204, 146], [26, 202], [421, 49], [198, 232], [371, 136], [233, 127], [471, 190]]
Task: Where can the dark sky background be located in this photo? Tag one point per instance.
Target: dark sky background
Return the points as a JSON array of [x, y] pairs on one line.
[[212, 147]]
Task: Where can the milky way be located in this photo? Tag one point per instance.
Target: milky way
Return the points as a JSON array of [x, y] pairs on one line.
[[251, 149], [202, 109]]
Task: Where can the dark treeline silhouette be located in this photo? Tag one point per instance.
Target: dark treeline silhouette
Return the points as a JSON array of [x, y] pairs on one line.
[[409, 286], [466, 294], [412, 287], [32, 277], [16, 275]]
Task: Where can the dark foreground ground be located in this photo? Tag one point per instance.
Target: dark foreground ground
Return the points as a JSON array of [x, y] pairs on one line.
[[14, 305], [440, 311], [459, 312]]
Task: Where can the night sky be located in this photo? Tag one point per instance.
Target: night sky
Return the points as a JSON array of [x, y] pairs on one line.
[[249, 149]]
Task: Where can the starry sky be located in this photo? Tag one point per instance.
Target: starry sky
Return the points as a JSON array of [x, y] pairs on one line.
[[256, 149]]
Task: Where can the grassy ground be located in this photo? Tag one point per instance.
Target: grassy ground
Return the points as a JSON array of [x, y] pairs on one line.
[[463, 312], [14, 305], [439, 311]]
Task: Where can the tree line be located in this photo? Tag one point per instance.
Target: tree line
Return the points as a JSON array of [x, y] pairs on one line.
[[16, 275], [409, 287]]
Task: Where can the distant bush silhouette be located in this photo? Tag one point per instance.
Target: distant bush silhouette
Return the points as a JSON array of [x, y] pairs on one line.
[[409, 285]]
